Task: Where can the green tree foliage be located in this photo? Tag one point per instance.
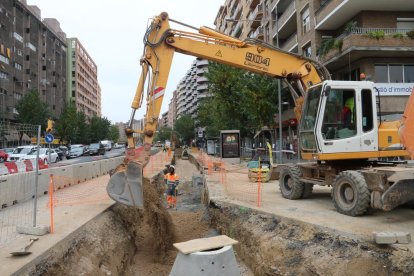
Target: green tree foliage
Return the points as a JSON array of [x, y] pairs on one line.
[[240, 100], [99, 129], [164, 133], [66, 125], [184, 127], [82, 129], [113, 133], [32, 110]]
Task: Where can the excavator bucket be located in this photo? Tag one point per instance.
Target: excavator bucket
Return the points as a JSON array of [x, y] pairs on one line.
[[126, 184]]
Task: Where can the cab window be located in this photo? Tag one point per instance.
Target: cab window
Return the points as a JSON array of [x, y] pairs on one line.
[[339, 120]]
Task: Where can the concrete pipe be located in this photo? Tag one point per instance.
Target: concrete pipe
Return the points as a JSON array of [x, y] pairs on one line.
[[214, 262]]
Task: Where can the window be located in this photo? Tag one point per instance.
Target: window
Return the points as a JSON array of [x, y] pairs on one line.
[[405, 23], [339, 116], [18, 66], [4, 59], [398, 73], [381, 73], [367, 112], [307, 50], [408, 73], [305, 20]]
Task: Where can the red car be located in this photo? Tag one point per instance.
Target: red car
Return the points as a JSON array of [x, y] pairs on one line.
[[3, 156]]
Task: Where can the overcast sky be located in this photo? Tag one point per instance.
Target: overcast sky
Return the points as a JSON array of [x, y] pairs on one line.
[[112, 33]]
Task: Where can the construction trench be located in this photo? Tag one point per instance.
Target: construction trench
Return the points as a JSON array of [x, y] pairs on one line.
[[128, 241]]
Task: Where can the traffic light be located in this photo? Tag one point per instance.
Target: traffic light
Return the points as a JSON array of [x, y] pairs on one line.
[[49, 126]]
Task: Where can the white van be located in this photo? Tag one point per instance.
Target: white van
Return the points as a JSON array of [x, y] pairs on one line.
[[107, 144]]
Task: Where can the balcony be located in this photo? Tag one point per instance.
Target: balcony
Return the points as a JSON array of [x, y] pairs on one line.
[[256, 16], [202, 87], [259, 33], [253, 3], [202, 79], [238, 29], [384, 42], [286, 15], [290, 43], [332, 14]]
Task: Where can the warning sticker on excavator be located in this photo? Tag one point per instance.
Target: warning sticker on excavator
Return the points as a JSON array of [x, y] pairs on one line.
[[158, 92], [218, 54]]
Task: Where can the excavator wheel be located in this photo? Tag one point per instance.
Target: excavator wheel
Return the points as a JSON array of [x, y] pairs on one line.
[[307, 190], [350, 194], [290, 185]]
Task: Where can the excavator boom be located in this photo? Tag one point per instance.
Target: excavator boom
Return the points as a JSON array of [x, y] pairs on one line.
[[161, 42]]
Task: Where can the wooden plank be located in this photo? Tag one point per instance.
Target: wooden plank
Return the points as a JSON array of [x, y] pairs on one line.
[[204, 244]]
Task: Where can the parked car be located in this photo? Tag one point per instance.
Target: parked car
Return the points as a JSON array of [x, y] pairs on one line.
[[20, 152], [64, 150], [118, 146], [96, 148], [43, 155], [3, 156], [77, 151], [60, 153]]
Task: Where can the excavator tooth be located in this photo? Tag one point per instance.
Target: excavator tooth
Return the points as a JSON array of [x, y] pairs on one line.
[[126, 186]]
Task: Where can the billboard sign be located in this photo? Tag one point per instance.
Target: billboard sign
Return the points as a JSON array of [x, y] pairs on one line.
[[394, 89], [230, 143]]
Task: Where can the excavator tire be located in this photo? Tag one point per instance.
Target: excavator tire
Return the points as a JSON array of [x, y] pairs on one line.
[[290, 185], [307, 190], [350, 194]]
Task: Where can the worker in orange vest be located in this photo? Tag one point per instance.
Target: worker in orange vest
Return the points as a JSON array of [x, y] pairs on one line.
[[171, 181]]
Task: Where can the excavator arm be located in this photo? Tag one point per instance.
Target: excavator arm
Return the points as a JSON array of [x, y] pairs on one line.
[[161, 42]]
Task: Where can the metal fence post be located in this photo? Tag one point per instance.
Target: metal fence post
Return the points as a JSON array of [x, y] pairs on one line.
[[37, 176]]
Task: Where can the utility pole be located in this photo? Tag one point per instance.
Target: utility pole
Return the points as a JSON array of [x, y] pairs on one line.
[[279, 95]]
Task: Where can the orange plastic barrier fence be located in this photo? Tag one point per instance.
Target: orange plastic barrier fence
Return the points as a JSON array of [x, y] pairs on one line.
[[234, 179]]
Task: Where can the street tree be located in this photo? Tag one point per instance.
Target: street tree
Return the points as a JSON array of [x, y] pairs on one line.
[[184, 127], [164, 133], [239, 100], [66, 125], [99, 128], [32, 110], [113, 133]]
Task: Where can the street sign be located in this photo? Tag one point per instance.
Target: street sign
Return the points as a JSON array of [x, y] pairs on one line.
[[49, 138]]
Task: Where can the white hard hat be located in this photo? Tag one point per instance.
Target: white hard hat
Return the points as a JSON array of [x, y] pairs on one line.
[[171, 166]]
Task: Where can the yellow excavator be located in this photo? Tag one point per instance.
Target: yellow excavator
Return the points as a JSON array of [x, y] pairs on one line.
[[339, 129]]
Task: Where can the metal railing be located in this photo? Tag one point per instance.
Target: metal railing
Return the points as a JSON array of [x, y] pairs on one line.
[[387, 31]]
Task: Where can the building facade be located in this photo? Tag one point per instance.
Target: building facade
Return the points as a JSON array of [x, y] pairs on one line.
[[122, 135], [349, 37], [32, 57], [192, 89], [82, 85]]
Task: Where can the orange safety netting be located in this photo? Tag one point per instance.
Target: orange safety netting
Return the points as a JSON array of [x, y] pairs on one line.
[[234, 178]]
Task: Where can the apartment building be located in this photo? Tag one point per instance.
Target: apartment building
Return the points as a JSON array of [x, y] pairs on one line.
[[349, 37], [192, 89], [164, 120], [122, 135], [172, 110], [82, 85], [32, 56]]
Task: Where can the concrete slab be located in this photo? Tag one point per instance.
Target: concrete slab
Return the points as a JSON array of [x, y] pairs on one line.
[[392, 237]]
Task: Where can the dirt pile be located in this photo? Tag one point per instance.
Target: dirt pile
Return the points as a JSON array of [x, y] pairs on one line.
[[271, 245]]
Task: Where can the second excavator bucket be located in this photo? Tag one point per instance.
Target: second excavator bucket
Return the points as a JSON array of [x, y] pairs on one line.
[[126, 186]]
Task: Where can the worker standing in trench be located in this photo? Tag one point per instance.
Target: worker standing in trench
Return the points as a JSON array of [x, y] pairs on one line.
[[171, 180]]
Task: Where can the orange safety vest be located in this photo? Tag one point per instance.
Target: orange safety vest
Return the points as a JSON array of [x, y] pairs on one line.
[[172, 180]]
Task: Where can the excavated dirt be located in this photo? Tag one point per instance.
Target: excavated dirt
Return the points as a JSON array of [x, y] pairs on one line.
[[129, 241], [270, 245]]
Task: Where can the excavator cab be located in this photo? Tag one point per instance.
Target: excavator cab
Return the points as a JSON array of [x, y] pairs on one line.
[[340, 121]]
